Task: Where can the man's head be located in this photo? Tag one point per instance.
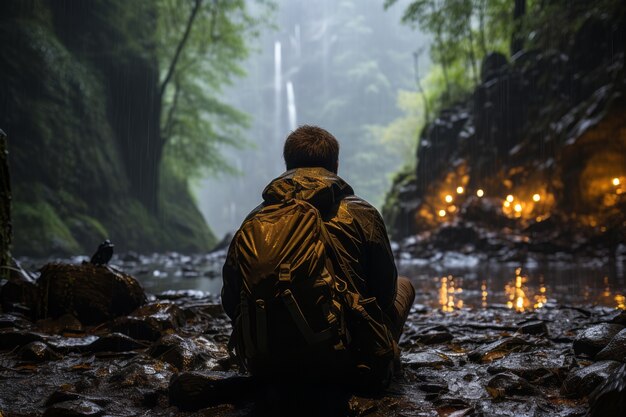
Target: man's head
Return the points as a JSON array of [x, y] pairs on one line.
[[311, 146]]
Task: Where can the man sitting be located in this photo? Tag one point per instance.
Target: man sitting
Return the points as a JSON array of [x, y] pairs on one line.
[[353, 235]]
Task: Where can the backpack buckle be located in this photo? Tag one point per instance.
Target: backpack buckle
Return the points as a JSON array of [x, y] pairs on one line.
[[284, 273]]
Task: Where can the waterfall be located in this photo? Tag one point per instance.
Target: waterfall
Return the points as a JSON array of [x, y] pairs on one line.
[[297, 41], [291, 106], [278, 81]]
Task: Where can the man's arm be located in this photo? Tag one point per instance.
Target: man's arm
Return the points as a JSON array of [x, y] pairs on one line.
[[231, 288], [381, 266]]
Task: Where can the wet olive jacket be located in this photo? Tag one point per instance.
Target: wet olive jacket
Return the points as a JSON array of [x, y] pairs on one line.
[[357, 230]]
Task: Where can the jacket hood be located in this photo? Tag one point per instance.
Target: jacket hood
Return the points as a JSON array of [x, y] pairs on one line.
[[317, 186]]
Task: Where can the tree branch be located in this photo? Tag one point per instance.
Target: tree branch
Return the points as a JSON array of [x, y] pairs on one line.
[[180, 46], [169, 122]]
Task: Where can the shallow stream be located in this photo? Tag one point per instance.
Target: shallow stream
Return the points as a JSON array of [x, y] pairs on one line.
[[451, 281]]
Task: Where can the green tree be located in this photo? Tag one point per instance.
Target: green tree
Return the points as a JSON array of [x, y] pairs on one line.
[[463, 32], [201, 45]]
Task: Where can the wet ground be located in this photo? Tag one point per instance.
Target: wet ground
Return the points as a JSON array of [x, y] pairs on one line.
[[480, 341]]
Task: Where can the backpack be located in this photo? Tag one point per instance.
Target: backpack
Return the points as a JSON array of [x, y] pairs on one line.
[[298, 318]]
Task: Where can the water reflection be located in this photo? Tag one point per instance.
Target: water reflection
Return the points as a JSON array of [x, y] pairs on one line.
[[519, 289], [450, 293]]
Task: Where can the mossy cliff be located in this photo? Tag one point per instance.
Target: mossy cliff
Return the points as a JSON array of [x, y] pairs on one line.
[[78, 82], [545, 130]]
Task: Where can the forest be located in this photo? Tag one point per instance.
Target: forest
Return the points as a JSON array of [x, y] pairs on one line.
[[489, 134]]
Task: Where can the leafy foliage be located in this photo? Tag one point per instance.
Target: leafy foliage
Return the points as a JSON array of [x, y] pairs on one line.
[[200, 47], [463, 32]]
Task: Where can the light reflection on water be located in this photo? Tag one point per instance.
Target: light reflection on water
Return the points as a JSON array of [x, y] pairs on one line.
[[450, 286], [514, 287]]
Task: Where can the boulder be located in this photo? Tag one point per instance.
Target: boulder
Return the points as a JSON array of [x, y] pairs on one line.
[[92, 293], [149, 322], [179, 352], [583, 381], [609, 399], [592, 340], [616, 349]]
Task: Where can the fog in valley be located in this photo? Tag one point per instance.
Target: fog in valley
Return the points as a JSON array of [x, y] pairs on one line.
[[341, 65]]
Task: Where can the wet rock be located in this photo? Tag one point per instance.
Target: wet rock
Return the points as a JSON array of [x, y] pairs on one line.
[[616, 349], [65, 323], [431, 336], [73, 408], [15, 321], [114, 342], [619, 318], [507, 383], [432, 387], [155, 375], [583, 381], [150, 321], [534, 327], [11, 339], [497, 349], [430, 359], [92, 293], [195, 390], [70, 344], [609, 399], [61, 395], [37, 352], [532, 365], [184, 354], [592, 340]]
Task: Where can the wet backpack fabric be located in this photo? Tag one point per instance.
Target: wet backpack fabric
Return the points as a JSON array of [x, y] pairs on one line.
[[300, 312]]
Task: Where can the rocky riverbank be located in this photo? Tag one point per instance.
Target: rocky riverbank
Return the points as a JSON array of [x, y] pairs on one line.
[[168, 357]]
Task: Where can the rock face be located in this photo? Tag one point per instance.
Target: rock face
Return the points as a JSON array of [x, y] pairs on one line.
[[80, 109], [549, 123]]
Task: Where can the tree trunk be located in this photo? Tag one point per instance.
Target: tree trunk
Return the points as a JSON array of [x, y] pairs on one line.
[[135, 113], [5, 207], [481, 24], [517, 39]]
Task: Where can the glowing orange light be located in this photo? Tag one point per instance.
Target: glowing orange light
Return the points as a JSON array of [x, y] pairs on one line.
[[480, 192], [518, 208], [536, 197], [452, 209], [448, 198], [507, 204], [484, 293], [442, 213], [518, 299], [616, 181], [459, 190], [509, 198]]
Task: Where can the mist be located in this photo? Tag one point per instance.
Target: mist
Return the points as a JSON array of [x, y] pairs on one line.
[[338, 65]]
